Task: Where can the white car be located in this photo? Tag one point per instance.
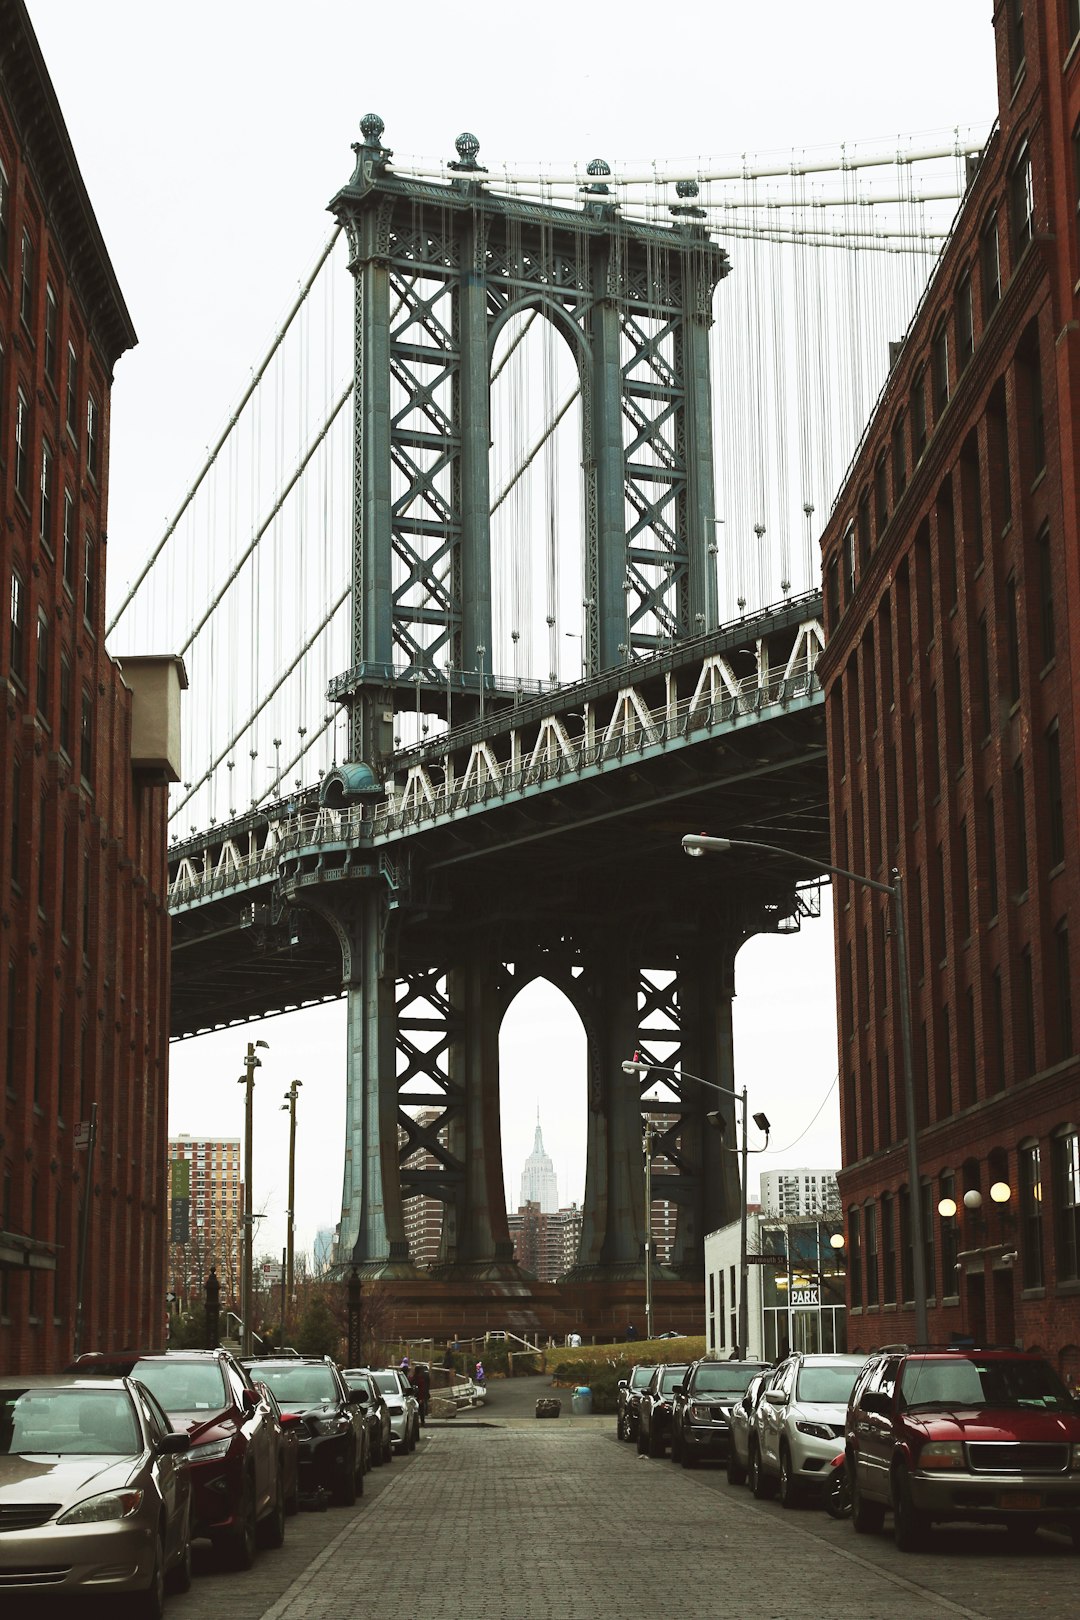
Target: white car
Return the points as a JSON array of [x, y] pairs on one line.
[[799, 1425], [403, 1406]]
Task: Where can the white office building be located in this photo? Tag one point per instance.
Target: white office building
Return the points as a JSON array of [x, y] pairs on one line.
[[795, 1286], [793, 1193]]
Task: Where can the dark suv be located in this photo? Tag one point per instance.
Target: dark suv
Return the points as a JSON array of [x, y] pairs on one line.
[[988, 1435], [237, 1489], [654, 1409], [701, 1409], [628, 1400], [333, 1450]]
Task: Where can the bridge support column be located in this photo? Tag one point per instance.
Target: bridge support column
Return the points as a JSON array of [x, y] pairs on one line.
[[477, 1241], [613, 1213]]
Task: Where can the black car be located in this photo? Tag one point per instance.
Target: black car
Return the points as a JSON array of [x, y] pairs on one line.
[[377, 1413], [627, 1401], [654, 1408], [333, 1449], [701, 1409]]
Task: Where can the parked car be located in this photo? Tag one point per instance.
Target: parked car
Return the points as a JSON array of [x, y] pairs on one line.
[[289, 1427], [376, 1412], [238, 1494], [741, 1423], [334, 1438], [798, 1421], [628, 1400], [701, 1408], [403, 1406], [984, 1435], [95, 1496], [654, 1410]]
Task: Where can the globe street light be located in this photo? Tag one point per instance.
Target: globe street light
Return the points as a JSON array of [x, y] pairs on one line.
[[636, 1066], [699, 844]]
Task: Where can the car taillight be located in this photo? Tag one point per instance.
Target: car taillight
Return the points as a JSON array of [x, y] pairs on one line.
[[1074, 1461]]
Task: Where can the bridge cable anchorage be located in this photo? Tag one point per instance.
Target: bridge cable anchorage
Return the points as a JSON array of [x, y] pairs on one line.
[[250, 721], [287, 489], [212, 456]]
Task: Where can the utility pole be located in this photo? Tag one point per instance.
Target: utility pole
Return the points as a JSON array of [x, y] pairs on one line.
[[247, 1080], [290, 1213]]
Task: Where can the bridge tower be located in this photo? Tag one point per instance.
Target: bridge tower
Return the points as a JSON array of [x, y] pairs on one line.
[[439, 269]]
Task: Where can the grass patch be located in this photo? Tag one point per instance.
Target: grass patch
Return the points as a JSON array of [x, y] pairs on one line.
[[602, 1366]]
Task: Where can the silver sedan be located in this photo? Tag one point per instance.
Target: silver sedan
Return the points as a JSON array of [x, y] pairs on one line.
[[94, 1494], [402, 1404]]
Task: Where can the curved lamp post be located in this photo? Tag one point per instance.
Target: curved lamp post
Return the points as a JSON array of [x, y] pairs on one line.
[[641, 1069], [699, 844]]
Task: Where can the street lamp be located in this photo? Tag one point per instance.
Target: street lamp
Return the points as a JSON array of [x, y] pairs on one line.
[[650, 1133], [247, 1080], [698, 844], [635, 1066], [289, 1106]]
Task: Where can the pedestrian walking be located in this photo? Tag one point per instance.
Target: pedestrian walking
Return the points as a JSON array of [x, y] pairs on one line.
[[480, 1372], [631, 1333], [422, 1385], [448, 1361]]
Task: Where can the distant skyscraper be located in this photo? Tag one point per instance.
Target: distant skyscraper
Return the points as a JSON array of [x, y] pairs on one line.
[[539, 1184]]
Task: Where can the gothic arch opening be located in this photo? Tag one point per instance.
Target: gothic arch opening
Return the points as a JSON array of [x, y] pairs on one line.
[[543, 1055], [537, 505]]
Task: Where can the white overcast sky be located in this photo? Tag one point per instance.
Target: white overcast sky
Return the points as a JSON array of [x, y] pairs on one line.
[[211, 137]]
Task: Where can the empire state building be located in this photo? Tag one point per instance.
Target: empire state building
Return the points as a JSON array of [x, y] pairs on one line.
[[539, 1184]]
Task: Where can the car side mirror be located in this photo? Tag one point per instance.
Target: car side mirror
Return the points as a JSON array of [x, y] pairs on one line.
[[170, 1443], [776, 1397], [680, 1389], [357, 1397], [624, 1383], [250, 1400], [876, 1403]]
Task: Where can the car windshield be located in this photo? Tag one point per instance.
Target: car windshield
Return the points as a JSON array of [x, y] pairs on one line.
[[640, 1376], [68, 1423], [669, 1378], [721, 1380], [829, 1385], [300, 1385], [387, 1382], [1032, 1384], [184, 1386]]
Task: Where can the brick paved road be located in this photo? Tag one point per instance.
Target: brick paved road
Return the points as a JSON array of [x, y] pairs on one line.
[[557, 1521]]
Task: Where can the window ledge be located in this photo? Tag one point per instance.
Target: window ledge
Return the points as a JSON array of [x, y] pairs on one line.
[[950, 1299], [1032, 1293], [1069, 1289]]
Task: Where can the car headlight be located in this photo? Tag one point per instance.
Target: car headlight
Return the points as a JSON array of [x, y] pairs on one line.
[[701, 1414], [111, 1505], [328, 1425], [394, 1411], [209, 1450], [942, 1454], [820, 1431]]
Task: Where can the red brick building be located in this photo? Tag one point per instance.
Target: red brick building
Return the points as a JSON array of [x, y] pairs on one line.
[[85, 754], [952, 584]]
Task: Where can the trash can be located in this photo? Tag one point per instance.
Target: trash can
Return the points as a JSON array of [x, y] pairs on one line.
[[581, 1401]]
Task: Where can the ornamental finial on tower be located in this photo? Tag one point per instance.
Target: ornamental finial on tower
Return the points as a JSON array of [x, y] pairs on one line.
[[467, 146], [599, 187], [371, 128], [687, 190]]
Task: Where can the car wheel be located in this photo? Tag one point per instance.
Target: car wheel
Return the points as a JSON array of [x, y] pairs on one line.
[[687, 1455], [271, 1529], [1023, 1533], [388, 1452], [736, 1473], [178, 1578], [150, 1604], [757, 1479], [640, 1440], [789, 1485], [910, 1525], [620, 1426], [867, 1517], [655, 1447], [345, 1493], [238, 1547], [360, 1472], [676, 1444], [292, 1500]]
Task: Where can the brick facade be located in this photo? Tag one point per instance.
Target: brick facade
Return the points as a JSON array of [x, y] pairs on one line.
[[952, 578], [84, 929]]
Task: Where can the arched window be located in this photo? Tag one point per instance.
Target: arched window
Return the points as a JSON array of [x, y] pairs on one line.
[[1021, 201]]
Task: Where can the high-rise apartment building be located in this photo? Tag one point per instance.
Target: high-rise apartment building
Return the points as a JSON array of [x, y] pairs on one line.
[[87, 748], [545, 1241], [205, 1216], [423, 1214], [790, 1193]]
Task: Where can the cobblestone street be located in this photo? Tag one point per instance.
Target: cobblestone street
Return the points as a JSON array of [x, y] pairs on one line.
[[520, 1520]]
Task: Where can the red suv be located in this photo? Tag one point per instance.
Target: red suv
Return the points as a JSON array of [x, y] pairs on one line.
[[987, 1435]]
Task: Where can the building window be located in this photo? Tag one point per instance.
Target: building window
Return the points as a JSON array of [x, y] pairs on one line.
[[1012, 631], [899, 457], [939, 368], [985, 687], [965, 323], [88, 579], [888, 1249], [1027, 1011], [22, 446], [1032, 417], [1020, 815], [1064, 990], [849, 563], [18, 627], [991, 858], [881, 494], [997, 1033], [91, 437], [69, 541], [990, 266], [86, 737], [832, 591], [927, 1195], [65, 704], [42, 662], [87, 1034], [1074, 19], [71, 403], [870, 1219], [1022, 201], [1067, 1204], [855, 1256], [51, 319], [863, 524], [907, 1268], [1054, 804], [26, 281], [5, 219], [1031, 1240], [1016, 37], [45, 503], [1046, 595], [950, 1282]]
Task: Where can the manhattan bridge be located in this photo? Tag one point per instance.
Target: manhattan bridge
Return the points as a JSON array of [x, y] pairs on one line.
[[493, 586]]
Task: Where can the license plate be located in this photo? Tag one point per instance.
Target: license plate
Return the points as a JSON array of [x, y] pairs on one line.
[[1019, 1499]]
